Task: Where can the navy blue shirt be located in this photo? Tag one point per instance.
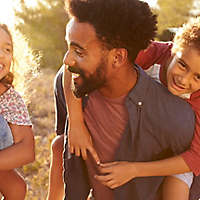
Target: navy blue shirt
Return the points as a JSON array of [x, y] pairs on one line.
[[160, 125]]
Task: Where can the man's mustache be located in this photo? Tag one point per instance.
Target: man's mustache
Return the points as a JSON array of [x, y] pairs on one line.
[[75, 70]]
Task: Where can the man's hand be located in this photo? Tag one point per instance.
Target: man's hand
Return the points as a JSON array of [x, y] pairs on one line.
[[80, 141], [115, 174]]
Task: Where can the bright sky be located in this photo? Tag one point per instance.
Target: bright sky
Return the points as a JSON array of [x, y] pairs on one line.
[[6, 12], [152, 3]]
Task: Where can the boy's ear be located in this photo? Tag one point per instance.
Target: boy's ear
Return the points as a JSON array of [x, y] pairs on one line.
[[119, 56]]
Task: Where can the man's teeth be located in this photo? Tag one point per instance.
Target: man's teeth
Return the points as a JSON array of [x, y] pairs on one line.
[[75, 75], [1, 67]]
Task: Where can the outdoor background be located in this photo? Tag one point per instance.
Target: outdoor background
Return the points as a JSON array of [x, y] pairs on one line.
[[41, 27]]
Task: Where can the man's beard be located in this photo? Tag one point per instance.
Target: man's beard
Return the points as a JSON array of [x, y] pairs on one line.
[[91, 83]]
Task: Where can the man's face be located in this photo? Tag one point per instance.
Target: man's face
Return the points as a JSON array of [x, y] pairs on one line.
[[86, 58]]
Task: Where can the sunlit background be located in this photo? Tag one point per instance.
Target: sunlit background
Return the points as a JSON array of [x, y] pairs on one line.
[[6, 10], [7, 14]]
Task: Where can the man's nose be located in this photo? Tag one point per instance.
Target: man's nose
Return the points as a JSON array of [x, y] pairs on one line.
[[67, 60]]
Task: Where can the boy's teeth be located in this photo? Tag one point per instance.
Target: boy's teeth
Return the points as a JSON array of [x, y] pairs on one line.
[[75, 75], [1, 66]]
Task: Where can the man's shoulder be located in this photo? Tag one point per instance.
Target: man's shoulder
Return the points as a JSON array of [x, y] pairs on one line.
[[58, 79]]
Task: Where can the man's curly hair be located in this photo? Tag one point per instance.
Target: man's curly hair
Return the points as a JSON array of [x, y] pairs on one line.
[[188, 36], [128, 24]]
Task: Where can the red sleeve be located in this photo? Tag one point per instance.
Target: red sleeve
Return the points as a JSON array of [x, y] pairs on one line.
[[192, 156], [156, 53]]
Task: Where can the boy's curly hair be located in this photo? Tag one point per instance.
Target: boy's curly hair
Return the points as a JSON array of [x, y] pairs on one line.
[[188, 36], [128, 24]]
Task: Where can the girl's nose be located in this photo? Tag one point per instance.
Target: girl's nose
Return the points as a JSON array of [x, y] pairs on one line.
[[1, 53]]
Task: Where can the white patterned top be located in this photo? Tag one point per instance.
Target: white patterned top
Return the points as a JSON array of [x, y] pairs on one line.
[[13, 108]]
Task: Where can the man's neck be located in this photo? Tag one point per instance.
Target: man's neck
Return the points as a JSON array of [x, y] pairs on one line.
[[120, 84]]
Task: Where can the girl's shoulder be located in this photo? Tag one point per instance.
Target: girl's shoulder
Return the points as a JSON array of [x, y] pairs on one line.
[[13, 108]]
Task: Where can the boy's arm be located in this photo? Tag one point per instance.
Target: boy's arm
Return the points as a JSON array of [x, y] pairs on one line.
[[192, 155], [115, 174], [79, 139], [156, 53]]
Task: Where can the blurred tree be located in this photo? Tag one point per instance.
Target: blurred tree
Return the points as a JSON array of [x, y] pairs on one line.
[[166, 35], [173, 13], [44, 27]]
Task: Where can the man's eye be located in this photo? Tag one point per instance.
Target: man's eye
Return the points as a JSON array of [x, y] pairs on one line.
[[78, 52]]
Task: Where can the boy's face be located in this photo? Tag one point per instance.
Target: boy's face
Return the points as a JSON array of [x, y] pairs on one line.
[[183, 75]]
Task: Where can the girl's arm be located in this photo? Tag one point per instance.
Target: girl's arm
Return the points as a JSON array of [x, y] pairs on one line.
[[79, 139], [115, 174], [21, 152]]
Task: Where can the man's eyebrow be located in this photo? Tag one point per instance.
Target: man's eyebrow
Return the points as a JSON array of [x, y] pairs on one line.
[[76, 45]]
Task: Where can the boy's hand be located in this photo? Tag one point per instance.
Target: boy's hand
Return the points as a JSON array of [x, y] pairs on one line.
[[80, 141], [115, 174]]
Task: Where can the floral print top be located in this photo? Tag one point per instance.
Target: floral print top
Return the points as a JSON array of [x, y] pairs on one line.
[[13, 108]]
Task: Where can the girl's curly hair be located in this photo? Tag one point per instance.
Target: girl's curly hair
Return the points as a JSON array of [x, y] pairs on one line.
[[24, 66]]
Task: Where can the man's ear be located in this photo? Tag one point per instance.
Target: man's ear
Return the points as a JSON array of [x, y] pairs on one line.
[[119, 57]]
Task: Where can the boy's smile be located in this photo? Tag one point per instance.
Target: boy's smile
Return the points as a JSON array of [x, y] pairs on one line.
[[183, 75]]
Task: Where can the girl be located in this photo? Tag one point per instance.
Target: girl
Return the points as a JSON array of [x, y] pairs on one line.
[[17, 141]]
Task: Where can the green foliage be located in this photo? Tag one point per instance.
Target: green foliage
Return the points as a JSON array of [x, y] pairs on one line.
[[173, 13], [44, 26], [166, 35]]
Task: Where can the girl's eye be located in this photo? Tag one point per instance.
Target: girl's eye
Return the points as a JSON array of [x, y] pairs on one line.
[[8, 50]]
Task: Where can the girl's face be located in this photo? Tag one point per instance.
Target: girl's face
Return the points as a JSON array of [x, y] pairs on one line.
[[183, 74], [6, 53]]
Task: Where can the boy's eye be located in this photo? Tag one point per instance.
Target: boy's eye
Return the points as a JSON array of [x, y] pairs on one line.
[[197, 77], [182, 65]]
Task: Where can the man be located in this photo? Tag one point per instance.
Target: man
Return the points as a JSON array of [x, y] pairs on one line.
[[126, 111]]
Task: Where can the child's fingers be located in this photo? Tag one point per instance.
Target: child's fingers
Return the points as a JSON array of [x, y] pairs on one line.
[[109, 164], [94, 155], [84, 154], [71, 149], [77, 151]]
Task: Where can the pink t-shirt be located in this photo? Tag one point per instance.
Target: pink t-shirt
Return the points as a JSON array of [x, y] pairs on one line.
[[106, 120]]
